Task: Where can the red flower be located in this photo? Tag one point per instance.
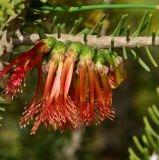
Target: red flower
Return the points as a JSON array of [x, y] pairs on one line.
[[95, 96], [21, 65], [56, 107], [78, 87]]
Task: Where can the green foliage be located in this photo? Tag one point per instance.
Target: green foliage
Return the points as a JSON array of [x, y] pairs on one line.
[[148, 146], [8, 8], [121, 29], [144, 27]]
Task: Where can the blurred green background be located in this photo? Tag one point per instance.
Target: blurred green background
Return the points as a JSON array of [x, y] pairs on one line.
[[108, 141]]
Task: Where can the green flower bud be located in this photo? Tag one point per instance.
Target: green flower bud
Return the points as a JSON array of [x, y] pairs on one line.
[[100, 57], [51, 42], [87, 52], [59, 49], [76, 47], [107, 56]]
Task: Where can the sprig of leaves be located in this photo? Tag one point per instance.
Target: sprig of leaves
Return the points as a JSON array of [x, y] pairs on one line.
[[148, 144], [8, 9]]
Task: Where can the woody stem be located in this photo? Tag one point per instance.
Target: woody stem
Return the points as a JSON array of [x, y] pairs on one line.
[[99, 42]]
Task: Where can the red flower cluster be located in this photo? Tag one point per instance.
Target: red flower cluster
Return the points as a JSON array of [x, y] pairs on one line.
[[22, 64], [78, 89]]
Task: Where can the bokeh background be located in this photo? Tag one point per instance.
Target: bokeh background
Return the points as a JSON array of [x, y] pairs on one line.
[[108, 141]]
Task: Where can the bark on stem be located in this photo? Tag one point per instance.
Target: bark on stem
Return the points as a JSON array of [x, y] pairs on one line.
[[99, 42]]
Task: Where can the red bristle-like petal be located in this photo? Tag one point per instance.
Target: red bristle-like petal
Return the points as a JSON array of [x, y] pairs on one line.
[[104, 109], [50, 76], [24, 56], [56, 82], [81, 87], [90, 114], [68, 80]]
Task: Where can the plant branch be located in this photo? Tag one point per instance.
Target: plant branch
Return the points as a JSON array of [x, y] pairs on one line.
[[94, 7], [75, 143], [98, 42]]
